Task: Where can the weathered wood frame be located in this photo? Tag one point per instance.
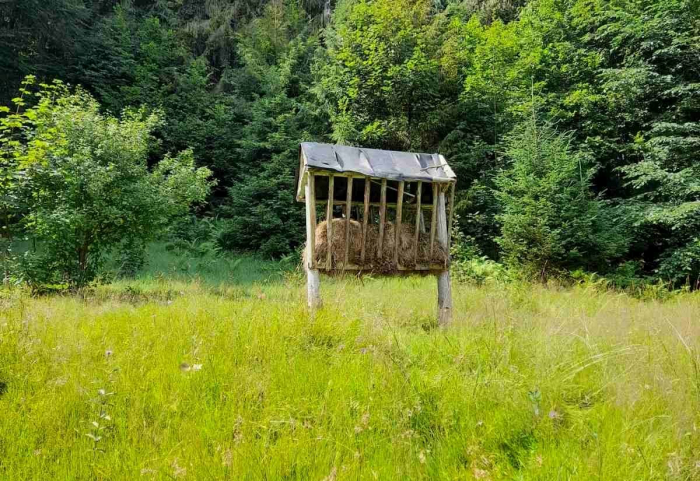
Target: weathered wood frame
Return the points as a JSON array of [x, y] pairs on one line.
[[440, 228]]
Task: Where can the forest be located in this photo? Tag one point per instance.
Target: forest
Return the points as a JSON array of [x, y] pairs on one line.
[[573, 125]]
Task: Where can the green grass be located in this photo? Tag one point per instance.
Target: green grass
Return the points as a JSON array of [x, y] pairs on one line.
[[209, 269], [528, 383]]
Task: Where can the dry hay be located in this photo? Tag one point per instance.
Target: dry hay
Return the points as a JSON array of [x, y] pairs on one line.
[[373, 262]]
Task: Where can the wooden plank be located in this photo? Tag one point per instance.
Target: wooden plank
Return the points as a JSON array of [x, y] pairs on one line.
[[436, 268], [303, 173], [377, 180], [378, 204], [365, 218], [382, 219], [311, 220], [329, 223], [313, 280], [452, 211], [444, 283], [397, 230], [448, 170], [433, 220], [348, 207], [419, 215], [394, 189]]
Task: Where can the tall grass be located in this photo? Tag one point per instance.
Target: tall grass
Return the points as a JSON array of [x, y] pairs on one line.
[[191, 379]]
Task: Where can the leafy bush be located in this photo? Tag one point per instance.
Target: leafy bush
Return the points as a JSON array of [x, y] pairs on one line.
[[467, 263], [682, 266], [88, 187]]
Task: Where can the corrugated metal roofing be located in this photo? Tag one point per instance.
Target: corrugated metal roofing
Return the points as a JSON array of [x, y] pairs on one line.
[[385, 164]]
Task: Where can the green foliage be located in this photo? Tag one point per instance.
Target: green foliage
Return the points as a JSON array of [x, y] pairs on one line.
[[89, 189], [379, 79], [264, 215], [261, 210], [668, 183], [551, 221], [242, 82]]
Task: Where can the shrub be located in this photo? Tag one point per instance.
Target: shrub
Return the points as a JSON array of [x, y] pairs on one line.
[[90, 189]]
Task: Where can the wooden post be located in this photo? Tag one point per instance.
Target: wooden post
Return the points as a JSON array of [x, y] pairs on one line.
[[397, 227], [348, 207], [418, 222], [329, 223], [452, 212], [433, 219], [443, 278], [364, 220], [382, 219], [313, 279]]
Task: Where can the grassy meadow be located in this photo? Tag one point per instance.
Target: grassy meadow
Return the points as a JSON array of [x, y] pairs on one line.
[[216, 371]]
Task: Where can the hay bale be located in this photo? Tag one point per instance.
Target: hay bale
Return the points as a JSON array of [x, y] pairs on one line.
[[373, 262], [338, 245]]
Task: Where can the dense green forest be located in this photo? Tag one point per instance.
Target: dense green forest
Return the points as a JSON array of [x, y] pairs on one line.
[[573, 125]]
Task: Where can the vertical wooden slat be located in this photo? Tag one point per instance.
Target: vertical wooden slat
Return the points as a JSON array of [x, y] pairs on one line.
[[329, 223], [348, 208], [397, 229], [313, 280], [452, 211], [418, 220], [382, 219], [364, 220], [433, 219]]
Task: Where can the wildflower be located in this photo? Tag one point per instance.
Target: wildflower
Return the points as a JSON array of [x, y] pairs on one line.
[[421, 457], [480, 473], [332, 475], [227, 458], [178, 471]]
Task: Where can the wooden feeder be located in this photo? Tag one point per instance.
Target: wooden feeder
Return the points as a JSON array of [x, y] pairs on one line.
[[376, 204]]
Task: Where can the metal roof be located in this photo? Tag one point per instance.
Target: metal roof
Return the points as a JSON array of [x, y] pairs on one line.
[[384, 164]]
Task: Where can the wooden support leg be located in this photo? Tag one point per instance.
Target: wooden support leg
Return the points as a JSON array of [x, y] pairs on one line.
[[313, 288], [313, 279], [443, 278], [444, 298]]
